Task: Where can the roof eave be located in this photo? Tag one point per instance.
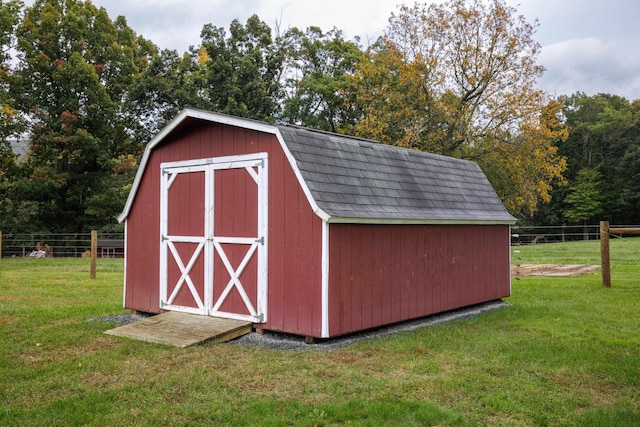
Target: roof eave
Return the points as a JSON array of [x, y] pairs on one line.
[[422, 221]]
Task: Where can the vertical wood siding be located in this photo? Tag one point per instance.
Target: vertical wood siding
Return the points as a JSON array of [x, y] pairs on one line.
[[186, 218], [294, 259], [235, 215], [381, 274]]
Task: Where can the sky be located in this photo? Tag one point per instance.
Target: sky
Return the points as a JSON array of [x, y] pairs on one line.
[[591, 46]]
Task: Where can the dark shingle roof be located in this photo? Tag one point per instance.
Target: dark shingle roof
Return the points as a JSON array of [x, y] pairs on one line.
[[354, 178]]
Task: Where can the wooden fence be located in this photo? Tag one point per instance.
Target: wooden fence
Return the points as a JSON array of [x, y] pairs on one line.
[[113, 245], [605, 232], [68, 245], [86, 245]]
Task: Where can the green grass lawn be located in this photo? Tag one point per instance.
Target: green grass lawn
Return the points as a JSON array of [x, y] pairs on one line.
[[566, 352]]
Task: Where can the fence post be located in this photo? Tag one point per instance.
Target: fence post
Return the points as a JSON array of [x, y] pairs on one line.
[[94, 253], [604, 254]]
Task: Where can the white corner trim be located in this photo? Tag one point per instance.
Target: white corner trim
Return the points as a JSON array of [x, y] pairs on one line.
[[325, 279], [124, 276], [509, 270]]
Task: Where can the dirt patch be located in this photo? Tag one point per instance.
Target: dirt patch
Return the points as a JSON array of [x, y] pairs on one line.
[[6, 319], [552, 269]]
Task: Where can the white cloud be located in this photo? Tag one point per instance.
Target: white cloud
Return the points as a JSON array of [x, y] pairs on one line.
[[176, 24], [589, 65]]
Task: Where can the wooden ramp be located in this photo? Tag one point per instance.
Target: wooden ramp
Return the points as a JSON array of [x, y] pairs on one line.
[[183, 329]]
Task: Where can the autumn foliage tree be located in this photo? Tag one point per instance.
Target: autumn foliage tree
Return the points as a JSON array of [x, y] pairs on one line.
[[459, 79], [10, 120], [75, 66]]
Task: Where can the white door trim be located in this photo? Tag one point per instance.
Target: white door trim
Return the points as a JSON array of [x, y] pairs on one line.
[[209, 244]]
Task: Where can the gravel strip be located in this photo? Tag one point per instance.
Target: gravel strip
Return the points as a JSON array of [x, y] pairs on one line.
[[281, 341], [121, 319]]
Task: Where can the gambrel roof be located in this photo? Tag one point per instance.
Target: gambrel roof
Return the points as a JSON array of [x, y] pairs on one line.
[[355, 178], [349, 179]]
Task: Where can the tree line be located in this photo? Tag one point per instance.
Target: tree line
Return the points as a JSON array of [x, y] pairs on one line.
[[602, 180], [458, 79]]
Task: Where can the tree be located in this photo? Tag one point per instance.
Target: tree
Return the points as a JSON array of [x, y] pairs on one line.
[[598, 126], [628, 194], [74, 71], [316, 78], [604, 134], [459, 79], [169, 84], [525, 169], [11, 123], [243, 71], [585, 196], [239, 73]]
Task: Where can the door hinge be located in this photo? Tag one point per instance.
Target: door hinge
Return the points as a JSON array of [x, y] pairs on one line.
[[260, 164], [260, 240], [163, 238], [259, 318]]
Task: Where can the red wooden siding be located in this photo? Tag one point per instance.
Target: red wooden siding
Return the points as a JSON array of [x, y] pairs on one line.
[[184, 296], [186, 218], [235, 215], [381, 274], [142, 275], [295, 248], [186, 205], [294, 256]]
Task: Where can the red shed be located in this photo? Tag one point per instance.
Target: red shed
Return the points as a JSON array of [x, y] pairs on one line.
[[307, 232]]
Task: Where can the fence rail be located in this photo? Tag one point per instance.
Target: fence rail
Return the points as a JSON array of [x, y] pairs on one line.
[[110, 245], [523, 235], [563, 250]]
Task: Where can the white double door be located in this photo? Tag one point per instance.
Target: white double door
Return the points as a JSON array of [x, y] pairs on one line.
[[213, 232]]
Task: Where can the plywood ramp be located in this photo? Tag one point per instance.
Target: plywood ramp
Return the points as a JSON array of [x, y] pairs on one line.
[[183, 329]]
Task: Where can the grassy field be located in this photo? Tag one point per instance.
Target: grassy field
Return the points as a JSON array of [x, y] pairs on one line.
[[624, 252], [566, 352]]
